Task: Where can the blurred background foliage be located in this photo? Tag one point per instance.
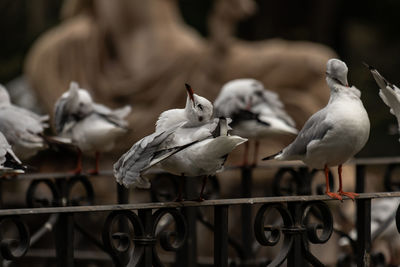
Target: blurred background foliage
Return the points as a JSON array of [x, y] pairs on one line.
[[357, 30]]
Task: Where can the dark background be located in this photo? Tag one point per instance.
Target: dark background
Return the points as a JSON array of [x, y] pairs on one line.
[[357, 30]]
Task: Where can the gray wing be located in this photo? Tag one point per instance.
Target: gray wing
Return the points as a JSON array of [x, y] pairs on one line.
[[20, 126], [228, 106], [272, 100], [142, 155], [42, 120], [61, 114], [314, 129], [116, 116]]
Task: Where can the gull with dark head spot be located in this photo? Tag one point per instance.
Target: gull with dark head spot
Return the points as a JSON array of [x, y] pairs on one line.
[[92, 127], [187, 142], [256, 112], [335, 133]]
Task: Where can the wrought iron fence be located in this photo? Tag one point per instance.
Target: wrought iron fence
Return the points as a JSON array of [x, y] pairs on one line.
[[134, 234]]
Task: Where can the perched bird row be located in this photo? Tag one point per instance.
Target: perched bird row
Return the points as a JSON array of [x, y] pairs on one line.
[[196, 140]]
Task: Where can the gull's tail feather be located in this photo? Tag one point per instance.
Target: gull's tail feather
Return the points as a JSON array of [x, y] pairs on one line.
[[274, 156]]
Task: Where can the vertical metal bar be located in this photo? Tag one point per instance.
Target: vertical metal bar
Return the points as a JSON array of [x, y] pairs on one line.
[[295, 257], [247, 227], [360, 178], [147, 220], [64, 240], [221, 236], [363, 232], [187, 256], [122, 194], [64, 230]]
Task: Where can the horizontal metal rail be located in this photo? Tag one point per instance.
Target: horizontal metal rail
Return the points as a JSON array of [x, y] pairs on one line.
[[206, 203]]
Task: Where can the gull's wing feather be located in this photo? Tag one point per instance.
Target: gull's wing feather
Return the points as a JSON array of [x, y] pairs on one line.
[[314, 129], [127, 170], [114, 116], [389, 93]]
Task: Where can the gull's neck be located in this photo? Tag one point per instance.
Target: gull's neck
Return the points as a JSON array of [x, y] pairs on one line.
[[340, 91]]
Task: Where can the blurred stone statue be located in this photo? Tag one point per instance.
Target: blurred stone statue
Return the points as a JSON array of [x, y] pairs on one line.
[[141, 53]]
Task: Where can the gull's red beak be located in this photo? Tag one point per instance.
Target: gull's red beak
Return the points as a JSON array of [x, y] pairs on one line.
[[189, 91]]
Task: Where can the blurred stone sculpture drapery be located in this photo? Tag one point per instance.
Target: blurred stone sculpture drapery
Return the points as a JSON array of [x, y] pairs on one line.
[[141, 53]]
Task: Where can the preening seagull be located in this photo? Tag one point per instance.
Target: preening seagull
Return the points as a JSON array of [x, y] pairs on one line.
[[92, 127], [256, 112], [389, 93], [335, 133], [22, 128], [187, 142]]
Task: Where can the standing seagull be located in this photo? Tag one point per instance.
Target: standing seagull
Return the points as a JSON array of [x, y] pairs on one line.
[[389, 93], [255, 112], [9, 162], [187, 142], [335, 133], [92, 127], [22, 128]]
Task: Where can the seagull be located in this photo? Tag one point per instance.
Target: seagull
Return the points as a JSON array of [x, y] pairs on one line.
[[333, 134], [92, 127], [256, 112], [389, 93], [22, 128], [9, 162], [187, 142]]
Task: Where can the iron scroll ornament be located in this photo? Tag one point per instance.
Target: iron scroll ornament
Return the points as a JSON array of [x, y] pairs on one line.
[[11, 248], [294, 226], [130, 250]]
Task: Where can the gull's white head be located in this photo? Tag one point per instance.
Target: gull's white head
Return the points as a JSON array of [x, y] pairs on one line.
[[4, 96], [336, 72], [198, 109], [80, 101]]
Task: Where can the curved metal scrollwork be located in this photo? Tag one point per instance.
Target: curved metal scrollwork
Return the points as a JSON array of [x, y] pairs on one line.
[[34, 199], [323, 214], [62, 192], [268, 235], [11, 248], [290, 181], [88, 198], [120, 243], [303, 226], [169, 240]]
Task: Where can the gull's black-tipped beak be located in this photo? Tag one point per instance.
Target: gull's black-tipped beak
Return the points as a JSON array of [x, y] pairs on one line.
[[368, 66], [189, 91]]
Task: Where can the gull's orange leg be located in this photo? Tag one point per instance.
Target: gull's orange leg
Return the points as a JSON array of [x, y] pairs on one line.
[[340, 191], [78, 168], [96, 169], [202, 188], [328, 191]]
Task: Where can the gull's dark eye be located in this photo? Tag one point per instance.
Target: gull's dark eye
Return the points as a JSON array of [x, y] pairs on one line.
[[200, 106], [259, 93]]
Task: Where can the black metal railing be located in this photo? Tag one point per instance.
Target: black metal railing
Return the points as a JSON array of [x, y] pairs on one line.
[[135, 234]]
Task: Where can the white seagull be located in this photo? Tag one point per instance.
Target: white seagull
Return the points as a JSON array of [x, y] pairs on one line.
[[335, 133], [256, 112], [22, 128], [92, 127], [9, 162], [187, 142], [389, 93]]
